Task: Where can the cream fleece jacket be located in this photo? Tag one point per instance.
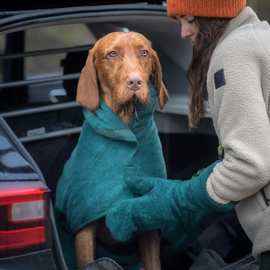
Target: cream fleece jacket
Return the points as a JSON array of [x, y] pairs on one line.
[[238, 85]]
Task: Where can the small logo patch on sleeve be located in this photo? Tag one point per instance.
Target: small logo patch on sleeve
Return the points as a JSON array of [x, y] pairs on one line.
[[219, 78]]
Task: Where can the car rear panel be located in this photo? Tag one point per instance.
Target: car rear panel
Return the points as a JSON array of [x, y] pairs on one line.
[[41, 260], [25, 226]]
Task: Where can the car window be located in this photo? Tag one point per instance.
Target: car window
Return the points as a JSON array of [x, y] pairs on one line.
[[53, 37], [47, 52]]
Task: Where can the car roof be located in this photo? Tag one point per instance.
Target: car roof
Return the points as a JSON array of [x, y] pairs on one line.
[[12, 20], [17, 5]]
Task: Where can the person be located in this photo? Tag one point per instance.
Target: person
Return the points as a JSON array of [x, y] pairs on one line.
[[230, 68]]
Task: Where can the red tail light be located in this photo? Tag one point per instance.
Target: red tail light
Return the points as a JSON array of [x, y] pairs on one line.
[[24, 221]]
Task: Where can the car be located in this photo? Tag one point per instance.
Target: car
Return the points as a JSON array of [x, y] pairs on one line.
[[43, 47]]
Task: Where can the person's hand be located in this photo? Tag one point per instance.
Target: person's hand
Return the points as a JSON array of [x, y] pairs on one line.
[[162, 204]]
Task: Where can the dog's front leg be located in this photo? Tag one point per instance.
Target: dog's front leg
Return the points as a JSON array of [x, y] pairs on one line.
[[85, 245], [149, 245]]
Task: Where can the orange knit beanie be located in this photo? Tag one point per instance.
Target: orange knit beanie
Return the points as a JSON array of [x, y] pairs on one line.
[[205, 8]]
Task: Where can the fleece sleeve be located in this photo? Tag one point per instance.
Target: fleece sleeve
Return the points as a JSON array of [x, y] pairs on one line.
[[238, 106]]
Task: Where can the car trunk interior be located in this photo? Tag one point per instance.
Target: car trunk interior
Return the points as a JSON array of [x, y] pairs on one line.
[[50, 130]]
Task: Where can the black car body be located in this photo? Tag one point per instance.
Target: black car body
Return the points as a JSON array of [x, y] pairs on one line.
[[40, 122]]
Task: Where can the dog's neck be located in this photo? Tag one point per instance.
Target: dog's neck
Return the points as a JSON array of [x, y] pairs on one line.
[[124, 111], [127, 111]]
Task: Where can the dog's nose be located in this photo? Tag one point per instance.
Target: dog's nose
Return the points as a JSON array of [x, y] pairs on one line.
[[134, 82]]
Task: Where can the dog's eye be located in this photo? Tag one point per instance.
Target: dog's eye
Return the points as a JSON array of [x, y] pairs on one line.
[[112, 54], [144, 53]]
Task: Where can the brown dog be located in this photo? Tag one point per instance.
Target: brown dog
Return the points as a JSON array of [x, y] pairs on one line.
[[118, 70]]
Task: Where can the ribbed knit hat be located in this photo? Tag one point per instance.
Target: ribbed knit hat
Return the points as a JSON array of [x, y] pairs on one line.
[[205, 8]]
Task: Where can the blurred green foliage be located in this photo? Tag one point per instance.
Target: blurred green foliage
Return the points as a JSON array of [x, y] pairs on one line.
[[262, 7]]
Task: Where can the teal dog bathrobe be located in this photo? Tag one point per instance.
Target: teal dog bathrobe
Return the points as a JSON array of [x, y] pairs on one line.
[[107, 151]]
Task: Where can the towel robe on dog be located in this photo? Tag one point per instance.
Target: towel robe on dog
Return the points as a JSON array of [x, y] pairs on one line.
[[107, 150]]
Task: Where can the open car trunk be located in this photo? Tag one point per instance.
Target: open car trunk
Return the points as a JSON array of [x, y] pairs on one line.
[[49, 124], [41, 109]]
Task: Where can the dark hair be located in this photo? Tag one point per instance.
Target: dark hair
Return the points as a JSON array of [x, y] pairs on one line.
[[209, 32]]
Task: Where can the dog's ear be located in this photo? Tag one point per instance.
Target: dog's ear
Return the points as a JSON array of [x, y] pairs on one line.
[[157, 76], [87, 89]]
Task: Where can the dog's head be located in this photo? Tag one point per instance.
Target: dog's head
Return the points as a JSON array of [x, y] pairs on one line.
[[118, 69]]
